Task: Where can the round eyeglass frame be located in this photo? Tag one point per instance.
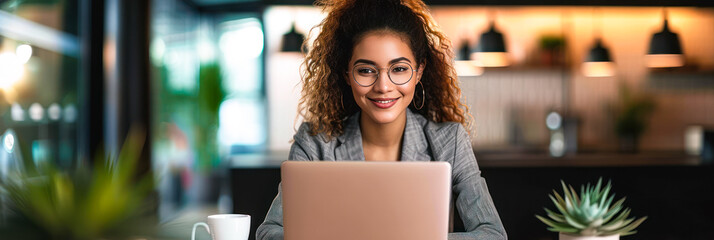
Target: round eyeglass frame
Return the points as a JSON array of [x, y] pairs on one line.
[[379, 71]]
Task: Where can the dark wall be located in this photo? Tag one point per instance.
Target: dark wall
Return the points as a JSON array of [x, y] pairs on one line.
[[678, 200], [253, 191]]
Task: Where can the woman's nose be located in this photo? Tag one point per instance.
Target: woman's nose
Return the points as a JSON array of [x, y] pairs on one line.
[[383, 84]]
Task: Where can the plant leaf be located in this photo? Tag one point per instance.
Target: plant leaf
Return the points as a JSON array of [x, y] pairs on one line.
[[560, 207], [574, 223], [554, 224], [555, 216], [632, 226]]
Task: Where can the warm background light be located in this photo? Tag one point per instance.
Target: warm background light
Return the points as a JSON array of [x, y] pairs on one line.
[[491, 59], [466, 68], [598, 69], [664, 60], [11, 69]]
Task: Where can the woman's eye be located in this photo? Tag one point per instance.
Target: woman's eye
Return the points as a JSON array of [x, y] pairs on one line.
[[400, 69], [366, 71]]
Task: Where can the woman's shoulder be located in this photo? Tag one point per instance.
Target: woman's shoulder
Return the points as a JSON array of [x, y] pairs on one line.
[[443, 128], [308, 146], [430, 126], [437, 130], [305, 138], [304, 134], [445, 135]]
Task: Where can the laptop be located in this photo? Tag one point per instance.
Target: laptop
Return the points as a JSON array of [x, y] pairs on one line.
[[365, 200]]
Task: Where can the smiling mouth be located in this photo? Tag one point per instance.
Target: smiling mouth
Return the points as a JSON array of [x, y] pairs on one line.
[[383, 103], [383, 100]]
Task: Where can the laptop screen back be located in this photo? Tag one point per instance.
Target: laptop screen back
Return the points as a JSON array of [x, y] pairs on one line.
[[365, 200]]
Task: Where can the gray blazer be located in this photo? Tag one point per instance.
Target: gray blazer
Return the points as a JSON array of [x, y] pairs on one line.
[[423, 141]]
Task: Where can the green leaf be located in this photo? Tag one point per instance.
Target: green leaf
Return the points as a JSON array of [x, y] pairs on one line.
[[566, 193], [574, 223], [615, 225], [560, 207], [560, 199], [597, 188], [632, 226], [575, 196], [555, 216], [567, 230], [616, 207], [627, 233], [554, 224], [623, 215], [604, 203], [585, 202]]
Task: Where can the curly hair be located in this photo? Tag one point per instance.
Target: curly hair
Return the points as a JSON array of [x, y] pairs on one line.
[[327, 98]]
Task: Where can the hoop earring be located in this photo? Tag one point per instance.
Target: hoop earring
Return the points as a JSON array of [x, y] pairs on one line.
[[423, 98]]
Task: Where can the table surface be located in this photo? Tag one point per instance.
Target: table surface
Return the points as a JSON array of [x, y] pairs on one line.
[[273, 159]]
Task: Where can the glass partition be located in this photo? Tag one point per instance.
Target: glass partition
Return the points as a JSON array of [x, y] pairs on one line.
[[39, 71]]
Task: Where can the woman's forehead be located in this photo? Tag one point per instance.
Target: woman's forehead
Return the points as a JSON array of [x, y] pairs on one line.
[[381, 48]]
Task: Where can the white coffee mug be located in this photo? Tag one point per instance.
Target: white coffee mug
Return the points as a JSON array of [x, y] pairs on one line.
[[225, 227]]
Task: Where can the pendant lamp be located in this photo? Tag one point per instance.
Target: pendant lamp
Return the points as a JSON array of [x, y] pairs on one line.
[[665, 49], [292, 41], [464, 52], [491, 49], [598, 62], [465, 67]]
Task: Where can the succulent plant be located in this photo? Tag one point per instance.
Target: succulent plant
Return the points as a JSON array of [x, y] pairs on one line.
[[590, 214]]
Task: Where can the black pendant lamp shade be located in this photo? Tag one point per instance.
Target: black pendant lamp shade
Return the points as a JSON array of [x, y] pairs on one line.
[[292, 41], [665, 42], [598, 62], [491, 41], [598, 53], [665, 49], [464, 66], [464, 52], [491, 49]]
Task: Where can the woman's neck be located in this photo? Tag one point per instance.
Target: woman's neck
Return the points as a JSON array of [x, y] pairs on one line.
[[382, 142]]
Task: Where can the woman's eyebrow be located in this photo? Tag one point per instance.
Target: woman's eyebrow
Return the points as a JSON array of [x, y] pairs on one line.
[[364, 61], [396, 60], [390, 62]]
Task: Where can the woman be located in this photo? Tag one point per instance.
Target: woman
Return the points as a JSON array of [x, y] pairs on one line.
[[379, 86]]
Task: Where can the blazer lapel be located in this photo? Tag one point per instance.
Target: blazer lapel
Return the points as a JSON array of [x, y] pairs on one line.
[[414, 144], [350, 142]]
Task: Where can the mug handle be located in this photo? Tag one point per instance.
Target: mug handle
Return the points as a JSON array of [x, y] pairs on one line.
[[193, 232]]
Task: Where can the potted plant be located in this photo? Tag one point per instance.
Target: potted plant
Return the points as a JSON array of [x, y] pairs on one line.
[[109, 202], [590, 215], [552, 49], [631, 114]]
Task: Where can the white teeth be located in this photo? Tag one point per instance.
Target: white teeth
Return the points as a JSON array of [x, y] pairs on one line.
[[388, 101]]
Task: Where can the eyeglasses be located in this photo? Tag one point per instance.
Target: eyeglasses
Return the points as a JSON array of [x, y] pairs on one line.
[[366, 74]]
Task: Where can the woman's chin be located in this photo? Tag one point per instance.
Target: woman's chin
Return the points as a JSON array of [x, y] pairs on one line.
[[384, 117]]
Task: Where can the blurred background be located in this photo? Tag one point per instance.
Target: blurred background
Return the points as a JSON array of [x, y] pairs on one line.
[[558, 90]]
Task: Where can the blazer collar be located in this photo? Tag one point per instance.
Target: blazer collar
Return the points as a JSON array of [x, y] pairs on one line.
[[414, 142], [350, 142]]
